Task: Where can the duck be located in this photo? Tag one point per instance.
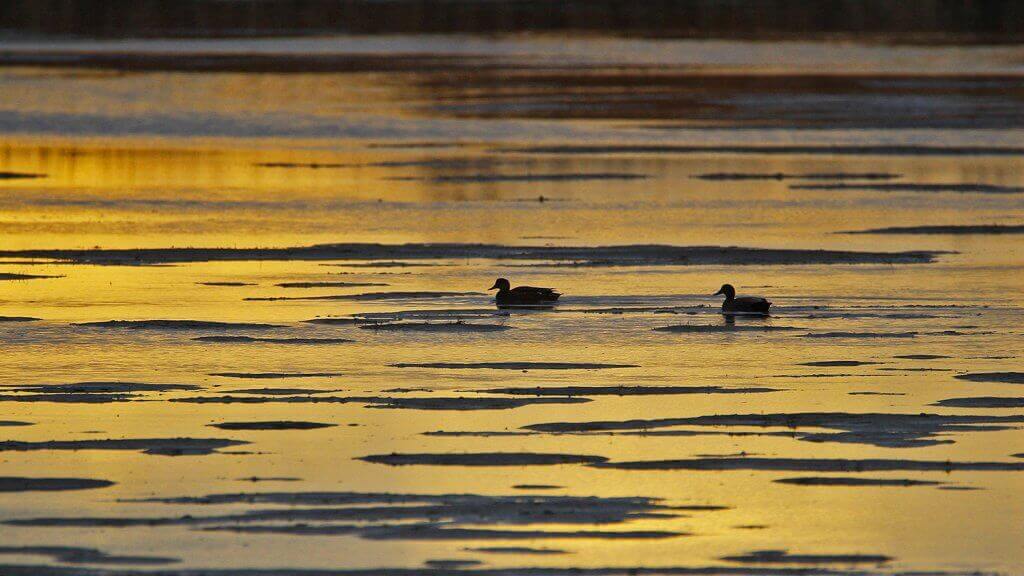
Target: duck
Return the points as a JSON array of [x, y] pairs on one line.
[[522, 295], [743, 304]]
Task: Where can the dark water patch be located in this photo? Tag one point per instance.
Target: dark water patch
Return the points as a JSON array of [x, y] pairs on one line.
[[160, 446], [451, 564], [371, 296], [384, 402], [922, 357], [329, 284], [257, 340], [816, 465], [622, 390], [690, 570], [652, 433], [482, 459], [478, 433], [877, 393], [386, 264], [98, 388], [433, 532], [431, 163], [957, 333], [854, 481], [84, 398], [447, 327], [12, 276], [413, 145], [636, 309], [518, 509], [20, 175], [516, 550], [860, 335], [514, 365], [913, 187], [255, 479], [283, 392], [624, 255], [251, 397], [469, 403], [784, 557], [76, 555], [22, 484], [226, 283], [743, 176], [338, 321], [981, 402], [960, 488], [271, 425], [177, 325], [823, 363], [550, 177], [432, 314], [85, 392], [275, 375], [1002, 377], [537, 487], [830, 375], [784, 150], [916, 369], [19, 319], [421, 516], [14, 423], [954, 230], [877, 429], [308, 165], [722, 328]]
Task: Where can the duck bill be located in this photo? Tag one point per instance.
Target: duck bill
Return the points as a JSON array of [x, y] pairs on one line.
[[495, 287], [717, 293]]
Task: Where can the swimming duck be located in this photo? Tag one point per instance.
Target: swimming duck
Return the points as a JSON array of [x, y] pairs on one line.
[[743, 304], [522, 295]]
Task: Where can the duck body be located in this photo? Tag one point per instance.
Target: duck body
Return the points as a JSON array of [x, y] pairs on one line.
[[522, 295], [742, 304]]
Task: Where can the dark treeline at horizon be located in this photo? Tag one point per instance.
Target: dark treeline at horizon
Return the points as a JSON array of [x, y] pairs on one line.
[[926, 21]]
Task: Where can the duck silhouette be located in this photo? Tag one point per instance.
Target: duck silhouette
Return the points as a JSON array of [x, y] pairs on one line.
[[743, 304], [522, 295]]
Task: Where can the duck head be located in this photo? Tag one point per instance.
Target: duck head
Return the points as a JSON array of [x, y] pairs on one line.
[[728, 290], [501, 284]]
